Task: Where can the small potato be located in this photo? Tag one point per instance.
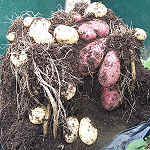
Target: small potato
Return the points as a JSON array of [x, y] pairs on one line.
[[38, 115], [86, 32], [18, 59], [101, 27], [110, 98], [91, 56], [140, 34], [77, 17], [73, 127], [109, 71], [87, 132], [96, 8], [10, 36], [70, 4], [27, 21]]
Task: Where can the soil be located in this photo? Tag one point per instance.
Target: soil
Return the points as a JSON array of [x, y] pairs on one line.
[[17, 99]]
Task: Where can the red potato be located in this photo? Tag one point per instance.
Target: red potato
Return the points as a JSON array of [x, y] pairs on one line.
[[91, 56], [101, 27], [77, 17], [110, 99], [86, 32], [90, 29], [109, 71]]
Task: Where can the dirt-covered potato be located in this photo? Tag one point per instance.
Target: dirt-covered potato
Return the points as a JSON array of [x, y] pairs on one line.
[[73, 127], [18, 59], [91, 56], [27, 21], [77, 17], [39, 31], [110, 98], [140, 34], [97, 8], [38, 115], [109, 71], [10, 36]]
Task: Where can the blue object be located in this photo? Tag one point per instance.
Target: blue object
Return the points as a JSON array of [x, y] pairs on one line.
[[121, 141]]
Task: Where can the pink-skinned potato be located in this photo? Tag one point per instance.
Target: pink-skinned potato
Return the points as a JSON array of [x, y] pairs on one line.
[[91, 56], [90, 29], [109, 71], [77, 17], [110, 98], [86, 32], [100, 27]]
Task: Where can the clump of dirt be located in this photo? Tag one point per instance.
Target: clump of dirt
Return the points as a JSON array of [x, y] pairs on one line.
[[49, 69]]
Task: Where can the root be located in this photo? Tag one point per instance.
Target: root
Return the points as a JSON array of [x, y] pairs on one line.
[[46, 121], [133, 70], [55, 111], [48, 88]]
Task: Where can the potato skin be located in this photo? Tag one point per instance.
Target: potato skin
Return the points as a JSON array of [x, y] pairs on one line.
[[90, 29], [86, 32], [91, 56], [110, 98], [100, 27], [109, 71]]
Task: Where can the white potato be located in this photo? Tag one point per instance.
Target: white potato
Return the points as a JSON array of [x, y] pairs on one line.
[[69, 4], [10, 36], [66, 34], [73, 127], [18, 59], [39, 31], [140, 34], [38, 115], [88, 133], [27, 21], [97, 8]]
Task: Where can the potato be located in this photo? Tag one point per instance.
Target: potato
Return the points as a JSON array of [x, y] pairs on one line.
[[77, 17], [90, 29], [73, 127], [87, 132], [86, 32], [91, 56], [140, 34], [101, 27], [39, 31], [110, 98], [66, 34], [38, 115], [27, 21], [10, 36], [18, 59], [96, 8], [109, 71]]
